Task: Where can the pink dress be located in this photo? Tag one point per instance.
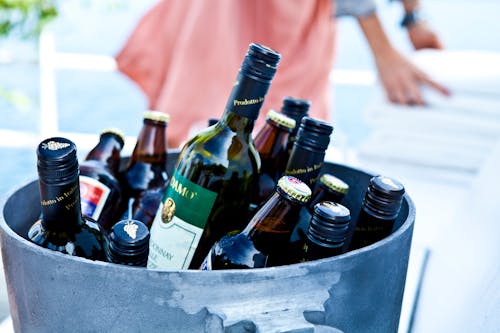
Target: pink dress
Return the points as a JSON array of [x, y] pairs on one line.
[[185, 55]]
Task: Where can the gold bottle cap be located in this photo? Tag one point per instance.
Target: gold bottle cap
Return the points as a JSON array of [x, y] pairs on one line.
[[334, 183], [295, 188], [281, 119], [157, 116], [114, 131]]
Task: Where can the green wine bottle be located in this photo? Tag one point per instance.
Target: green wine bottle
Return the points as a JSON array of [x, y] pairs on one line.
[[216, 174]]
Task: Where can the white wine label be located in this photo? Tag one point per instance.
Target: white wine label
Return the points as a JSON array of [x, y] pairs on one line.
[[93, 196], [179, 224]]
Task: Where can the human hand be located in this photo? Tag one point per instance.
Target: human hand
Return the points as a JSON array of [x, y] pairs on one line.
[[423, 37], [402, 80]]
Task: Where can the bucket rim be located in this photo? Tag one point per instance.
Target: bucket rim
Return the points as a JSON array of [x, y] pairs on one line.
[[7, 231]]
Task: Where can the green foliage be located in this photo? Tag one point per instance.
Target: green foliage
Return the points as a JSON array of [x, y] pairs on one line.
[[25, 18], [18, 99]]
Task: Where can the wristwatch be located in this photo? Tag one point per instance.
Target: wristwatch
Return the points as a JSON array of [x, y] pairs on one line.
[[410, 18]]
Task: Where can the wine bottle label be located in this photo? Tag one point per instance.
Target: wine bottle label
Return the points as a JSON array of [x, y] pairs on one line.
[[93, 196], [308, 173], [179, 224], [58, 202]]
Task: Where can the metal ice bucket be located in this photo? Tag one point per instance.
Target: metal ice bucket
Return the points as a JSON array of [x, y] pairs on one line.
[[360, 291]]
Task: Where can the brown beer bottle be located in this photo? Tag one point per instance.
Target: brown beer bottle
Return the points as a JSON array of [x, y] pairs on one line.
[[296, 109], [146, 176], [100, 190], [62, 226], [379, 211], [326, 233], [266, 239], [329, 188], [309, 150], [271, 143]]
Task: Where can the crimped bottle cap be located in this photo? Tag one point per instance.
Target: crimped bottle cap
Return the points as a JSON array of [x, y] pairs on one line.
[[116, 132], [295, 188], [156, 116], [281, 119], [334, 183]]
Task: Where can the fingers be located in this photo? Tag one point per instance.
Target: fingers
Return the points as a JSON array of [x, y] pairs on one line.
[[435, 85], [403, 80], [396, 96], [413, 95], [437, 44], [405, 92]]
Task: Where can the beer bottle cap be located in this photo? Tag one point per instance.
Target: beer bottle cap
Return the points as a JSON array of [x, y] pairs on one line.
[[295, 107], [157, 116], [334, 183], [280, 119], [115, 131], [330, 223], [57, 161], [128, 243], [294, 188]]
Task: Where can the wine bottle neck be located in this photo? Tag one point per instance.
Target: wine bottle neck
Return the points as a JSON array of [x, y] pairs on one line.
[[61, 207], [245, 102], [241, 125]]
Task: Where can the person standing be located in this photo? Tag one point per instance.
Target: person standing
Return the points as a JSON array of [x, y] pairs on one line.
[[174, 54]]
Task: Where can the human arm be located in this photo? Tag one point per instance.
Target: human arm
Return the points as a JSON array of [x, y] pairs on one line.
[[400, 78], [419, 33]]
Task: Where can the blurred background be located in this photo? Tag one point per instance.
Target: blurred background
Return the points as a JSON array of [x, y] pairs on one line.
[[66, 81]]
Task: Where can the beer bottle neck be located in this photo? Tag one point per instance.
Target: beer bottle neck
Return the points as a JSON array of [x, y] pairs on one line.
[[151, 146], [323, 193], [278, 215], [107, 153], [271, 140]]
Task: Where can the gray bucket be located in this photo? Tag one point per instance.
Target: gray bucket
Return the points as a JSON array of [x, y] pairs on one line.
[[360, 291]]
